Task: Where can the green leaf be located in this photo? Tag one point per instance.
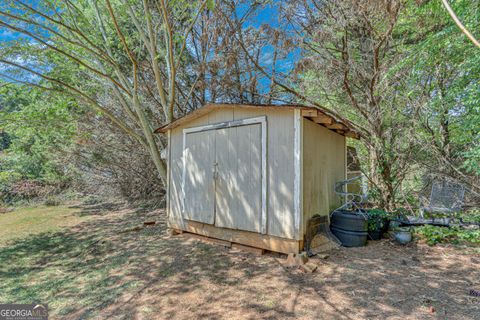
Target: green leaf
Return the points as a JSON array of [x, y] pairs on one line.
[[211, 5]]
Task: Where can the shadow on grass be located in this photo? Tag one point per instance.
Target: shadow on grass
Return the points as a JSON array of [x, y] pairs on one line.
[[65, 269], [107, 268], [103, 261]]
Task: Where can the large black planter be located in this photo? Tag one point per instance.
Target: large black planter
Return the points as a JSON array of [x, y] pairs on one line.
[[350, 228]]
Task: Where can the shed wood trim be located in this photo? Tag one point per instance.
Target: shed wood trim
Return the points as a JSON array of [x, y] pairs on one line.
[[169, 139], [297, 169], [320, 116], [229, 124], [253, 239]]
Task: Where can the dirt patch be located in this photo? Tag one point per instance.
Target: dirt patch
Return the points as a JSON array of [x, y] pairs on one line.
[[106, 274], [381, 281]]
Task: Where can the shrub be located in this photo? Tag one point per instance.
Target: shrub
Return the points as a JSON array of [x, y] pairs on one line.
[[52, 201], [377, 218], [471, 216], [21, 190], [456, 235]]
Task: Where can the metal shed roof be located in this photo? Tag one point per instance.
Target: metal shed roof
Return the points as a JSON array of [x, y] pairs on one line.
[[318, 115]]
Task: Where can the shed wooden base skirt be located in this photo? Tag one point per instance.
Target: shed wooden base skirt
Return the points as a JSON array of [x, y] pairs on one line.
[[248, 238]]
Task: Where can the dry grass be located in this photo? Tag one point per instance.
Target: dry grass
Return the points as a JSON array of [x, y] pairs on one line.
[[105, 268]]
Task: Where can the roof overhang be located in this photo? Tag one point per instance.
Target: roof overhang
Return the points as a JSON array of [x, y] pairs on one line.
[[321, 116]]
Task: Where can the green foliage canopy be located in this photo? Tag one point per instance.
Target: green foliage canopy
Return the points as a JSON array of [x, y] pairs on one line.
[[41, 129]]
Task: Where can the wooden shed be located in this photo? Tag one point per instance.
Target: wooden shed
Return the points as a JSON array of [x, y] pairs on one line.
[[254, 174]]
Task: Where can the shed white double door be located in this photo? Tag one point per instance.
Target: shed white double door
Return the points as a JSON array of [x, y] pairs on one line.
[[223, 177]]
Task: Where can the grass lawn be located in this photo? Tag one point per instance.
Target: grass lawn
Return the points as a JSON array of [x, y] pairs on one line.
[[25, 222], [94, 262], [61, 256]]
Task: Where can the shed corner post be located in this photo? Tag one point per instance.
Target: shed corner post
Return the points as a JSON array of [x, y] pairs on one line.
[[169, 153], [298, 173], [264, 175]]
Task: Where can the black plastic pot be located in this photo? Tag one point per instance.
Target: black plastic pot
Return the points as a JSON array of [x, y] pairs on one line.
[[375, 235], [350, 228], [380, 228]]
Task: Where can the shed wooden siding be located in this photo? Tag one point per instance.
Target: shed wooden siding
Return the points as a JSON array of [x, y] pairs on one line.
[[324, 163], [280, 173]]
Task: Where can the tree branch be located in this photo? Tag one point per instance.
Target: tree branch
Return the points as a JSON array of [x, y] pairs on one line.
[[459, 23]]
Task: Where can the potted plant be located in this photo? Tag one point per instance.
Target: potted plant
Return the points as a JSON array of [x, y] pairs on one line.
[[397, 218], [378, 221]]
